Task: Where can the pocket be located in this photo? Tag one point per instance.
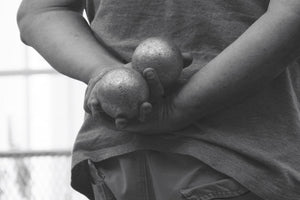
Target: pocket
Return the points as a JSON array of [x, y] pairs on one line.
[[100, 189], [221, 189]]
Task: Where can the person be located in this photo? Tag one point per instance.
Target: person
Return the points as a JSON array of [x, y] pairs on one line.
[[230, 127]]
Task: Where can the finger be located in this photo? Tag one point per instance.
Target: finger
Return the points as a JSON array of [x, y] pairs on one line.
[[187, 59], [87, 96], [145, 110], [91, 86], [128, 65], [155, 86], [121, 123], [94, 107]]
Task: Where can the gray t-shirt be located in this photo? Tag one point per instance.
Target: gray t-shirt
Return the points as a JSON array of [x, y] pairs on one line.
[[257, 142]]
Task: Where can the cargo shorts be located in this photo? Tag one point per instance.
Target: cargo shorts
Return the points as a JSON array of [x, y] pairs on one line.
[[153, 175]]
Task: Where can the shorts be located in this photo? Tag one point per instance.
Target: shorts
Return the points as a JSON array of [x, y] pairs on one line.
[[153, 175]]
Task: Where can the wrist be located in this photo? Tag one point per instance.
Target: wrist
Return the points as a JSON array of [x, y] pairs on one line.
[[98, 72], [182, 114]]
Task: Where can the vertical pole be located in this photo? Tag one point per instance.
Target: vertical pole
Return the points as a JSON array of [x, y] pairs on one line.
[[27, 99]]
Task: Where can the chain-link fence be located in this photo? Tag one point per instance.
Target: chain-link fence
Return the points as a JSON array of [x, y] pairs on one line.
[[36, 176]]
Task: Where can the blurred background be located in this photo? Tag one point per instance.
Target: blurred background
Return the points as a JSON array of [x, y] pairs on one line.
[[41, 112]]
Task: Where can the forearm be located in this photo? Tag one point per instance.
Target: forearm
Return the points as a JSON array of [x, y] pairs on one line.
[[252, 61], [65, 40]]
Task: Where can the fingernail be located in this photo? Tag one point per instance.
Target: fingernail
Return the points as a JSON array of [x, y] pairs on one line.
[[142, 118], [148, 108], [121, 123], [93, 101], [150, 75]]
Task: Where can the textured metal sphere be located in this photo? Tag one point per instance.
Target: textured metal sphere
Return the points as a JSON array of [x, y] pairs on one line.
[[162, 55], [121, 91]]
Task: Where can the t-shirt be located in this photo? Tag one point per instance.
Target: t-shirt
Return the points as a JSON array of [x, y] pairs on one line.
[[256, 142]]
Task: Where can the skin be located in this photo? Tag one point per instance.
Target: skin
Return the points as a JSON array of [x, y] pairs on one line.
[[57, 30]]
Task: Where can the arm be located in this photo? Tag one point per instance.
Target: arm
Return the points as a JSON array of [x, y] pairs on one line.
[[57, 30], [257, 57], [253, 60]]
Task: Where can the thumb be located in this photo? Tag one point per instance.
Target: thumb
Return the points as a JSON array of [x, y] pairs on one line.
[[187, 59]]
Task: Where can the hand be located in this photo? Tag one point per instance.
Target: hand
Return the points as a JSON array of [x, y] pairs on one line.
[[91, 104], [166, 115], [95, 107]]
